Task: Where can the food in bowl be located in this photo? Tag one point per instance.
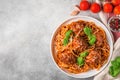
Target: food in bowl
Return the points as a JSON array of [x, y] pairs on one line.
[[80, 46]]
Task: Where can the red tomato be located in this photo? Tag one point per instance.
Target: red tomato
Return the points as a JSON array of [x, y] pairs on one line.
[[115, 2], [107, 8], [84, 5], [95, 8], [117, 10]]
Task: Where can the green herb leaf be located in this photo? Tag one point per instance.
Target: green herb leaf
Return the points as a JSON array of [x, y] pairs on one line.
[[115, 72], [115, 64], [67, 36], [118, 59], [80, 61], [87, 31], [111, 70], [84, 54], [92, 39], [114, 69], [65, 41]]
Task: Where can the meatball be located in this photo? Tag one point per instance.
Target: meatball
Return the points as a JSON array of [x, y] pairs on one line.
[[79, 44], [93, 58], [66, 57], [77, 27], [99, 41]]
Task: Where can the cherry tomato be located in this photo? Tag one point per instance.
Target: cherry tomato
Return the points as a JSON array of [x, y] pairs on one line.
[[115, 2], [107, 8], [117, 10], [84, 5], [95, 8]]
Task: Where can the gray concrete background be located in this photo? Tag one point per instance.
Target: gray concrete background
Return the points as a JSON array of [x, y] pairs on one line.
[[26, 27]]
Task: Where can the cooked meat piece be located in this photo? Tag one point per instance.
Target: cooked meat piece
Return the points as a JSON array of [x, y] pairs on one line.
[[79, 44], [93, 58], [99, 40], [66, 57], [77, 27]]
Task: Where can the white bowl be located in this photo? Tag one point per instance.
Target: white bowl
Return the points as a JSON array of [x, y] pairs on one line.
[[110, 42]]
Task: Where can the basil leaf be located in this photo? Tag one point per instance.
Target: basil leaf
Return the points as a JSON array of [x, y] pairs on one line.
[[115, 72], [118, 59], [111, 70], [91, 36], [65, 41], [80, 61], [84, 54], [67, 36], [92, 39], [114, 69], [87, 31], [115, 64]]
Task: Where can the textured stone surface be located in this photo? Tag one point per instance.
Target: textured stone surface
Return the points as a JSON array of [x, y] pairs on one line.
[[26, 27]]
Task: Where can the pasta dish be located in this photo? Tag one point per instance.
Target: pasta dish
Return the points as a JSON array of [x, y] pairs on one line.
[[81, 46]]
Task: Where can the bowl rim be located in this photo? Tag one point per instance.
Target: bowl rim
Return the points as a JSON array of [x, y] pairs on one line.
[[67, 20]]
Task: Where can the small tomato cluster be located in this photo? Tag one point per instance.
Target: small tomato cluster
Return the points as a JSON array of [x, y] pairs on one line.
[[108, 7]]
